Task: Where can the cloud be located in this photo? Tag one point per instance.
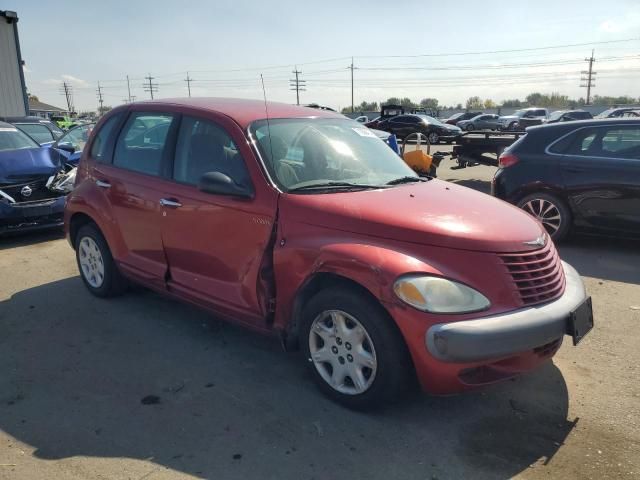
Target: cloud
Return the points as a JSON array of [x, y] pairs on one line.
[[70, 79], [610, 26]]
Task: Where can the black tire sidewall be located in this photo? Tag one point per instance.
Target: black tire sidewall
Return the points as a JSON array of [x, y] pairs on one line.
[[112, 283], [565, 213], [394, 368]]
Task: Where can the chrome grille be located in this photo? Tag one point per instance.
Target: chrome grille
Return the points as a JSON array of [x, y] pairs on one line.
[[538, 275]]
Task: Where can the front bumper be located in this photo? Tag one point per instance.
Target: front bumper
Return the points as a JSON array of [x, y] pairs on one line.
[[509, 333], [27, 216]]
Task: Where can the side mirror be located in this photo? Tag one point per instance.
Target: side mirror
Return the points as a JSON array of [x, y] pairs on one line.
[[220, 184], [66, 146]]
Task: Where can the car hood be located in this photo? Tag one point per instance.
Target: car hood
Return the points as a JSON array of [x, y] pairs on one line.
[[509, 117], [27, 163], [434, 213]]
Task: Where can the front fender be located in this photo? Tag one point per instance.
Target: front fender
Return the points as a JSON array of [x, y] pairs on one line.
[[373, 266]]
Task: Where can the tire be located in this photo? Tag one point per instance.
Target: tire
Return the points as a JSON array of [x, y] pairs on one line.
[[433, 138], [546, 207], [470, 127], [512, 126], [98, 271], [390, 371]]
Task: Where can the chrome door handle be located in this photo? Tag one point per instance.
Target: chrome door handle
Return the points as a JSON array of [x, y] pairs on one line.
[[166, 202], [102, 184]]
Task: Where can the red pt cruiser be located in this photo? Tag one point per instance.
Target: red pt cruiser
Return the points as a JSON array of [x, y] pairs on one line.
[[303, 224]]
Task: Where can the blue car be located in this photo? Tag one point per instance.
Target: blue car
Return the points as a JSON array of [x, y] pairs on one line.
[[34, 181], [69, 147]]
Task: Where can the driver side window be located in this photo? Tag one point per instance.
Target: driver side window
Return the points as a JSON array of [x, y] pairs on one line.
[[204, 147]]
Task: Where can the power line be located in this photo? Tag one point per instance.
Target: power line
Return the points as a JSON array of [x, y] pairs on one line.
[[297, 84], [150, 86], [486, 52], [588, 80]]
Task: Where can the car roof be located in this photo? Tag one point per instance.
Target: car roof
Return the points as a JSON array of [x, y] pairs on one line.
[[586, 123], [6, 125], [30, 119], [244, 111]]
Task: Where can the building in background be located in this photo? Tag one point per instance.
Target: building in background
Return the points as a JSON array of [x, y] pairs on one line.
[[44, 110], [13, 91]]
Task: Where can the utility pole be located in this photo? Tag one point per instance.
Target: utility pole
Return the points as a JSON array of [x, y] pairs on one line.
[[588, 80], [129, 89], [67, 91], [99, 92], [352, 68], [150, 86], [297, 84], [188, 80]]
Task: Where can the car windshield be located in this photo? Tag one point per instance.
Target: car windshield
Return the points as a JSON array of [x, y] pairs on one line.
[[520, 113], [556, 115], [431, 120], [455, 115], [14, 139], [606, 113], [305, 153]]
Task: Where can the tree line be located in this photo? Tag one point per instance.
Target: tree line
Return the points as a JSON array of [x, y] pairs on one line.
[[535, 99]]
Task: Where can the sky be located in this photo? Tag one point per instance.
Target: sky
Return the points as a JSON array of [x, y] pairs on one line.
[[417, 49]]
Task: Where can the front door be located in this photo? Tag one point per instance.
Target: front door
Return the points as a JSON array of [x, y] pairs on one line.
[[218, 247], [601, 169]]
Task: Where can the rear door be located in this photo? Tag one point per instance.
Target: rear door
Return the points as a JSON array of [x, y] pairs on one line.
[[133, 187], [602, 172], [217, 246]]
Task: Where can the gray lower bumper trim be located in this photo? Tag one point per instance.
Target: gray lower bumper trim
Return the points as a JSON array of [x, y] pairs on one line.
[[507, 333]]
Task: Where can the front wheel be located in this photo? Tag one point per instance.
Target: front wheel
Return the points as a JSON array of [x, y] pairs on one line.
[[433, 138], [355, 353], [470, 127], [550, 211]]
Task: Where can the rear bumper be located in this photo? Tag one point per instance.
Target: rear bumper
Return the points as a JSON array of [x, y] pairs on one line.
[[29, 216], [509, 333]]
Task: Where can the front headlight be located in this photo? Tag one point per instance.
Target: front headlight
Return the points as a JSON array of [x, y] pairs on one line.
[[439, 295]]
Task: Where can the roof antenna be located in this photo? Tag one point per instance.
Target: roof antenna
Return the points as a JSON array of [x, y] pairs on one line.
[[266, 111]]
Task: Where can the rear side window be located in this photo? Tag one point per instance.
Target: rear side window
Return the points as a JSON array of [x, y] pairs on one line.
[[99, 148], [141, 144], [612, 142]]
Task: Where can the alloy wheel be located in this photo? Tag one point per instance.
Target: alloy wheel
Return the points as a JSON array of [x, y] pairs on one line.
[[342, 352], [433, 138], [91, 262], [545, 211]]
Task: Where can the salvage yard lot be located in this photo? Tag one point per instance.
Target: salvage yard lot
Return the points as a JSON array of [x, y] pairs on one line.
[[220, 402]]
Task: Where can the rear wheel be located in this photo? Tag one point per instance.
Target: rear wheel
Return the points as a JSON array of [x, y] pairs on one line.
[[551, 211], [97, 268], [355, 353]]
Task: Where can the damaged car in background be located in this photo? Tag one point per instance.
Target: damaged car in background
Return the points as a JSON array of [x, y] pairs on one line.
[[33, 183]]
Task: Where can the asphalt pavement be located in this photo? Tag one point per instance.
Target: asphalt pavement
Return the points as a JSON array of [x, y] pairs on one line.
[[142, 387]]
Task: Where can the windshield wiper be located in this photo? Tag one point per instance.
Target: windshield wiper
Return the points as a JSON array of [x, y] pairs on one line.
[[333, 185], [407, 179]]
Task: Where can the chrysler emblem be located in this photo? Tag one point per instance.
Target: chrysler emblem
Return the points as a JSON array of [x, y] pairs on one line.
[[26, 191], [538, 242]]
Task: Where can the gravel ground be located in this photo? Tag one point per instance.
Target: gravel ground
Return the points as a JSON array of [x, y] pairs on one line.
[[144, 387]]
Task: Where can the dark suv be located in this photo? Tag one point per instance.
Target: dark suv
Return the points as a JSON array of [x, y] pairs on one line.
[[584, 174]]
